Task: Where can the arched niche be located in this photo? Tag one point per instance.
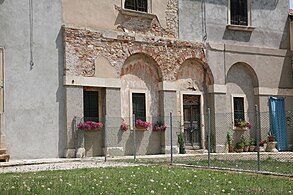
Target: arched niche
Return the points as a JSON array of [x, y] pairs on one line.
[[193, 75], [140, 72], [104, 69], [240, 100]]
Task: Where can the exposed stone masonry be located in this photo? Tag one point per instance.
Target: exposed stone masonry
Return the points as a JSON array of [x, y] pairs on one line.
[[83, 46]]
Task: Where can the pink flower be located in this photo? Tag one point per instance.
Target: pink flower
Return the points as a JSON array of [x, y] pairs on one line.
[[124, 127], [89, 125]]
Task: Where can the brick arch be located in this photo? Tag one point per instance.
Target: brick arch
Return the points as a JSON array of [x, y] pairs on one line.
[[150, 54]]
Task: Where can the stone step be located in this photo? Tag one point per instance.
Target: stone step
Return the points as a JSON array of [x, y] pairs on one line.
[[4, 157], [2, 150]]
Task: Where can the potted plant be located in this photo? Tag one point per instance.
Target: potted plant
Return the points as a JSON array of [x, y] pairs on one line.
[[181, 143], [239, 146], [271, 137], [230, 141], [246, 145], [142, 125], [262, 145], [242, 125], [90, 126], [252, 145], [124, 127], [159, 126]]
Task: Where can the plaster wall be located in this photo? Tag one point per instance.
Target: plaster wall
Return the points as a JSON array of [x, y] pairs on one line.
[[104, 14], [34, 96], [270, 19]]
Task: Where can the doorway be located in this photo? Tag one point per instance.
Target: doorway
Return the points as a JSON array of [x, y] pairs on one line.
[[192, 118]]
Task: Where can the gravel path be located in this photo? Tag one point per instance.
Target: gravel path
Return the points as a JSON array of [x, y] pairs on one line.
[[63, 166]]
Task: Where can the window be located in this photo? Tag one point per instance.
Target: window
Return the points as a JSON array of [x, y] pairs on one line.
[[138, 5], [238, 104], [91, 105], [138, 106], [239, 12]]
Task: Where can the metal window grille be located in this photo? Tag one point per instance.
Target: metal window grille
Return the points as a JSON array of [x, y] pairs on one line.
[[239, 12], [138, 5]]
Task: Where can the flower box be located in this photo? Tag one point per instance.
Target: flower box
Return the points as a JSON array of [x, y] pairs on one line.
[[159, 127], [90, 126], [142, 125]]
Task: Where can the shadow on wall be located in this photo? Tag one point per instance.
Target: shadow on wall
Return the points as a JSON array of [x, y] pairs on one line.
[[284, 44], [129, 146], [240, 36], [60, 93], [265, 4], [154, 145]]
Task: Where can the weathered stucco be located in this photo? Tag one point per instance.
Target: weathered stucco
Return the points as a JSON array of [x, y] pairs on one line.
[[162, 20], [82, 46]]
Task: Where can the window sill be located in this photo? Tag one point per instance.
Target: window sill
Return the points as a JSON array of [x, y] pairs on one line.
[[135, 13], [240, 128], [240, 28]]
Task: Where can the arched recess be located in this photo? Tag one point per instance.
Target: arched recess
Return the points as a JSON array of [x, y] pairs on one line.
[[140, 74], [193, 79], [104, 69], [193, 69], [240, 81]]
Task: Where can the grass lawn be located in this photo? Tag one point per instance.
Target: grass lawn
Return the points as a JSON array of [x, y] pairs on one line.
[[142, 180], [265, 165]]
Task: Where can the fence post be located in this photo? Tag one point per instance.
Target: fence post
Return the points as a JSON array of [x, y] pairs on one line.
[[171, 138], [105, 137], [209, 137], [134, 138], [257, 137]]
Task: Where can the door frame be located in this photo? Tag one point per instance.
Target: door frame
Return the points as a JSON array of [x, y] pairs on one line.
[[202, 117]]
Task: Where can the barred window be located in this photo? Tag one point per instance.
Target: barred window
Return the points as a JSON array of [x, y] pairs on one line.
[[138, 106], [91, 106], [138, 5], [238, 109], [239, 12]]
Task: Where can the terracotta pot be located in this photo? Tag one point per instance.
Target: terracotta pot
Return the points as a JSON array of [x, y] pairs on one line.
[[246, 148], [239, 149], [252, 148], [231, 148]]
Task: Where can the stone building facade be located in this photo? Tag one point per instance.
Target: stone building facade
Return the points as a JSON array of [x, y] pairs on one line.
[[111, 59]]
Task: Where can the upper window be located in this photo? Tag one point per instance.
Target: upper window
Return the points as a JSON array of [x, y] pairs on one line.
[[138, 5], [238, 103], [91, 105], [239, 12], [139, 106]]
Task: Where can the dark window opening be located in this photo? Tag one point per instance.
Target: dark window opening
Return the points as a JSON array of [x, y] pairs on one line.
[[138, 106], [138, 5], [239, 12], [91, 106], [238, 109]]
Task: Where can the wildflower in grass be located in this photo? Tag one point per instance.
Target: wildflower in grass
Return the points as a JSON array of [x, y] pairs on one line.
[[151, 180], [48, 189], [195, 176], [232, 189], [223, 190], [152, 191], [229, 182]]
